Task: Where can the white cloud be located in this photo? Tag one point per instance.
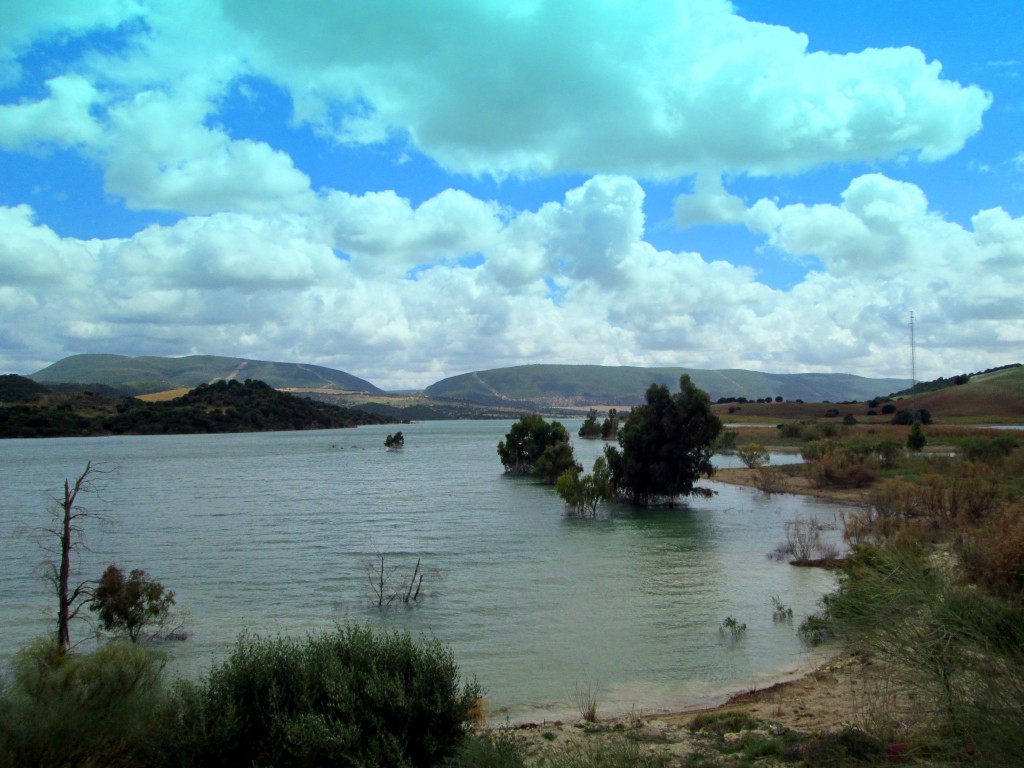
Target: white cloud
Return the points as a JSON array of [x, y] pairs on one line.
[[656, 91], [62, 118], [401, 310]]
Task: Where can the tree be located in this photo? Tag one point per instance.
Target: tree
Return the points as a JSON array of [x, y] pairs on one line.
[[590, 429], [394, 442], [68, 517], [582, 493], [531, 438], [610, 427], [916, 439], [555, 460], [753, 455], [666, 446], [129, 605]]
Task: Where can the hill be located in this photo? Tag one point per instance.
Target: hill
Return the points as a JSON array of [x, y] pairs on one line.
[[585, 385], [225, 406], [142, 375], [996, 394]]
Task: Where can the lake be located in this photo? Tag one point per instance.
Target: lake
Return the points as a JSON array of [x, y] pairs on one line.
[[274, 532]]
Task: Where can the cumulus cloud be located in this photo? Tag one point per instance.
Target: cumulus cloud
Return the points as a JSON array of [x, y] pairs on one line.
[[657, 91], [660, 92], [274, 287]]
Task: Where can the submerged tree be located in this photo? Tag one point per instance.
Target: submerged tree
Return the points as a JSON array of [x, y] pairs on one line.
[[583, 493], [590, 429], [130, 605], [666, 446], [394, 442], [68, 516], [535, 446], [610, 427]]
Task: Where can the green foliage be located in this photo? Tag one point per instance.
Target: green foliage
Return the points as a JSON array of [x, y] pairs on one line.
[[590, 429], [69, 709], [496, 749], [532, 438], [988, 449], [583, 493], [394, 442], [666, 446], [129, 605], [721, 722], [351, 697], [958, 648], [910, 415], [605, 753], [753, 455], [916, 439], [554, 461], [610, 426], [726, 441], [226, 406]]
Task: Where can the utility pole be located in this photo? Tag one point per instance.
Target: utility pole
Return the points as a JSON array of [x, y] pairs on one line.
[[913, 360]]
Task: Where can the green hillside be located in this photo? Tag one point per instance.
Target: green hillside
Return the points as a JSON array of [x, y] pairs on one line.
[[142, 375], [583, 385]]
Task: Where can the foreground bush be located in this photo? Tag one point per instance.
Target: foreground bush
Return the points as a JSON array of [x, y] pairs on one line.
[[958, 648], [351, 697], [69, 709]]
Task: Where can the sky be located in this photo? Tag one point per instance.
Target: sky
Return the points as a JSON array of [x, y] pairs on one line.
[[408, 191]]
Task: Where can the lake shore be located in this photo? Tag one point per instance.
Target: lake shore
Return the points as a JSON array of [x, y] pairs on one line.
[[847, 690], [843, 691]]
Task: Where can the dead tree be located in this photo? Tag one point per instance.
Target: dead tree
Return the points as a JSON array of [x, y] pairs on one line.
[[68, 517]]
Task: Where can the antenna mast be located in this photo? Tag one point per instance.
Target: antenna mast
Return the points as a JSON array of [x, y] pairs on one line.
[[913, 361]]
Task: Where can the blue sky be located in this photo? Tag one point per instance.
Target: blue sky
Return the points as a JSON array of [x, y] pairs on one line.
[[408, 191]]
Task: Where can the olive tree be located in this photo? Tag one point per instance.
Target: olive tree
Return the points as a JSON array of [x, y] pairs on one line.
[[665, 446]]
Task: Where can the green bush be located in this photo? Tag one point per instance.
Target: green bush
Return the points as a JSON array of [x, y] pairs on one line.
[[959, 650], [96, 709], [500, 749], [351, 697]]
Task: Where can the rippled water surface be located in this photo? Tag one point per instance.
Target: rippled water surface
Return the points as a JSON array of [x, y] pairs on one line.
[[272, 533]]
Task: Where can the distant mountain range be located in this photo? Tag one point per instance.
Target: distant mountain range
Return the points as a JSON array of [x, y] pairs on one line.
[[521, 386], [582, 385], [143, 375]]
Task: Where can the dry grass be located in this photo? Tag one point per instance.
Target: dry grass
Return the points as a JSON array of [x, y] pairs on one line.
[[167, 394]]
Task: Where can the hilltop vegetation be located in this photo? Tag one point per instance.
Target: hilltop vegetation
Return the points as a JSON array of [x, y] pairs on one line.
[[142, 375], [586, 385], [227, 406]]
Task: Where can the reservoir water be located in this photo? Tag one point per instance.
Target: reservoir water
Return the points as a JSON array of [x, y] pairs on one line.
[[273, 533]]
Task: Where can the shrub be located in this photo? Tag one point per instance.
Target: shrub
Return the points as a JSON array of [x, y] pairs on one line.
[[790, 430], [994, 555], [349, 697], [839, 468], [961, 651], [753, 455], [909, 415], [987, 449], [500, 749], [65, 709]]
